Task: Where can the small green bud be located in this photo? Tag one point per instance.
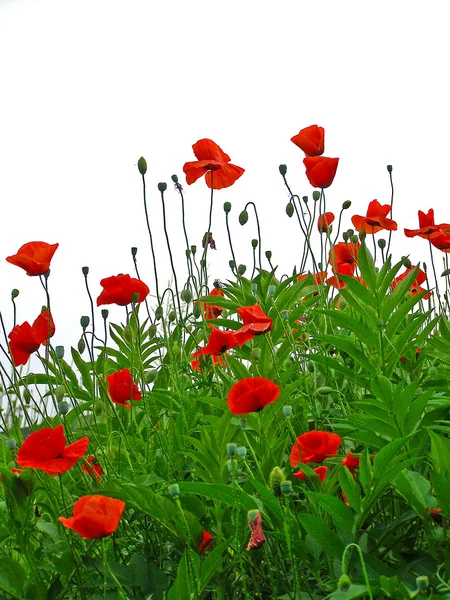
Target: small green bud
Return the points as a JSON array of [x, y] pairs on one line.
[[174, 178], [105, 313], [254, 244], [172, 316], [232, 465], [282, 169], [287, 411], [380, 323], [63, 408], [345, 236], [59, 351], [256, 354], [271, 290], [325, 390], [362, 235], [11, 444], [243, 423], [152, 330], [186, 295], [305, 199], [84, 321], [422, 583], [351, 231], [310, 366], [60, 392], [162, 186], [85, 271], [406, 262], [196, 311], [142, 165], [81, 345], [316, 195], [14, 293], [346, 204], [389, 168], [242, 451], [268, 254], [227, 207], [188, 253], [159, 312], [289, 209], [174, 490], [354, 239], [151, 375], [344, 582], [98, 409], [286, 487], [134, 251], [285, 314], [243, 217], [275, 478], [231, 449], [232, 264], [193, 249], [241, 269], [382, 243], [135, 297]]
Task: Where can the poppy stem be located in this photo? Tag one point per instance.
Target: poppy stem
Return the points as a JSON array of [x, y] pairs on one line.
[[107, 571], [363, 565], [259, 230], [392, 204], [170, 254], [151, 237], [203, 268]]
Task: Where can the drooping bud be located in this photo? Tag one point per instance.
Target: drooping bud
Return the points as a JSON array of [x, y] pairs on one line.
[[344, 582], [243, 217], [275, 478], [289, 209], [142, 165], [152, 331], [310, 366], [186, 295], [151, 375], [172, 316]]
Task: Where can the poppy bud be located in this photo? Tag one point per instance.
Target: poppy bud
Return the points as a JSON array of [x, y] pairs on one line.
[[243, 217], [254, 243], [271, 290], [60, 393], [63, 408], [231, 449], [172, 316], [354, 239], [406, 262], [362, 235], [268, 254], [325, 390], [134, 251], [389, 168], [242, 451], [350, 231], [174, 490], [84, 321], [243, 423], [11, 444], [422, 583], [444, 274], [14, 293], [150, 376], [81, 346], [232, 264], [275, 478], [174, 178], [382, 243], [283, 169], [305, 199], [254, 288], [316, 195], [142, 165], [344, 582], [152, 331], [290, 209], [232, 465], [196, 311], [286, 487], [287, 411], [346, 204], [85, 271], [59, 351], [105, 313], [162, 186], [256, 354], [310, 366], [241, 269], [345, 236], [227, 207], [135, 297], [159, 312], [186, 295], [285, 314]]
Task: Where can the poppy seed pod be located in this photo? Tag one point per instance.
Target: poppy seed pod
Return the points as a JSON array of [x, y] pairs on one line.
[[254, 244], [289, 209], [316, 195], [286, 487], [389, 168], [134, 251], [345, 236], [11, 444], [232, 264], [85, 271], [227, 207], [354, 239], [174, 490], [162, 186], [268, 254], [84, 322], [243, 217], [63, 408], [242, 451], [283, 169], [305, 199], [241, 269], [174, 178], [142, 165], [59, 351], [287, 411], [407, 263], [193, 249], [231, 449], [382, 243], [105, 313], [14, 293]]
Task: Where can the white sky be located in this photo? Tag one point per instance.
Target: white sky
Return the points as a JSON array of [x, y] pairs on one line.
[[88, 86]]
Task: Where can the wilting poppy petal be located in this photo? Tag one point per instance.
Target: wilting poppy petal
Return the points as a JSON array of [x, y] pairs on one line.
[[320, 170], [219, 342], [311, 140], [34, 257], [314, 446], [120, 289], [252, 395], [122, 388], [257, 537], [43, 327], [95, 516]]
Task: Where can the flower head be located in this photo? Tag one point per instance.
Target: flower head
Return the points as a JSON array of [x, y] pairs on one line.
[[426, 226], [94, 516], [25, 339], [311, 140], [375, 219], [324, 221], [344, 253], [321, 473], [351, 462], [206, 542], [120, 289], [320, 170], [209, 310], [213, 163], [221, 341], [254, 320], [122, 388], [252, 395], [34, 257], [416, 285], [46, 450], [314, 446], [257, 537]]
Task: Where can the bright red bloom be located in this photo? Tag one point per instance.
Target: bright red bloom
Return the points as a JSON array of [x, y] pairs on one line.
[[311, 140], [341, 269], [213, 162], [206, 543], [426, 226], [321, 473], [254, 320], [94, 516], [25, 339], [122, 388], [441, 240], [94, 469], [46, 450], [314, 446], [221, 341], [416, 285], [375, 219], [252, 395], [351, 462], [209, 310], [318, 278], [198, 363], [324, 221], [344, 253], [34, 257], [320, 170], [120, 289]]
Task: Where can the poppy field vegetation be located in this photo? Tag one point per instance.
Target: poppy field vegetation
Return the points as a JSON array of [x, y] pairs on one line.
[[267, 436]]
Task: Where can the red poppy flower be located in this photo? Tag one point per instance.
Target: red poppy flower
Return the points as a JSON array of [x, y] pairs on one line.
[[209, 310], [206, 543], [93, 469], [325, 221], [95, 516], [441, 240], [320, 170], [46, 450], [120, 289], [122, 388], [311, 140], [375, 219], [252, 395], [257, 537], [351, 462], [318, 278], [426, 226], [344, 253], [254, 320], [314, 446], [321, 473], [25, 339], [213, 163], [198, 363], [34, 257], [416, 286], [221, 341]]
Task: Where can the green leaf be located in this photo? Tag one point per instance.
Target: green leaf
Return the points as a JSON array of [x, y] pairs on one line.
[[351, 489], [367, 267], [183, 585], [12, 577], [441, 485], [84, 369], [341, 514], [416, 490], [222, 493], [326, 538]]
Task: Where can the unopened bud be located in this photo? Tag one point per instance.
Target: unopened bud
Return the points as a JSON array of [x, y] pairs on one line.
[[162, 186], [11, 444], [174, 490], [283, 169], [268, 254], [159, 312], [172, 316], [241, 269], [256, 354], [242, 451], [243, 217], [354, 239], [142, 165], [382, 243], [380, 323], [275, 478], [134, 251], [325, 390], [243, 423], [344, 582], [362, 235], [232, 264], [14, 293], [84, 321], [174, 178], [432, 372], [196, 311], [289, 209], [63, 408], [271, 290], [227, 207], [81, 346], [346, 204], [422, 583], [152, 331], [105, 313], [60, 392], [186, 295], [310, 366], [285, 314], [193, 249], [406, 262], [389, 168]]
